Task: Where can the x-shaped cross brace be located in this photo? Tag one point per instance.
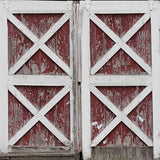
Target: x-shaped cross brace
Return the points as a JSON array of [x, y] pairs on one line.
[[39, 115], [39, 44], [120, 43], [121, 116]]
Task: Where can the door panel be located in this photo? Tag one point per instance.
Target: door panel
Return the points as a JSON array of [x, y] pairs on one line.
[[121, 64], [40, 69], [119, 52]]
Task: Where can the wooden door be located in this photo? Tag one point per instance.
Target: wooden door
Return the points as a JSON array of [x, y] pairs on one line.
[[37, 77], [120, 89], [120, 69]]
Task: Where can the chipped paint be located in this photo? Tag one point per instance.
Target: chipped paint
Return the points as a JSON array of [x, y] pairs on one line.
[[94, 123], [121, 64], [141, 119], [100, 126], [39, 64]]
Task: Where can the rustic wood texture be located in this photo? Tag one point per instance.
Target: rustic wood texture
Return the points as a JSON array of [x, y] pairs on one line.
[[39, 64], [19, 44], [121, 64], [42, 157], [122, 153]]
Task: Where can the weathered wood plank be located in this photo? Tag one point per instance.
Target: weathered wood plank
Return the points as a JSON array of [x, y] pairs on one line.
[[36, 79], [122, 153], [137, 131], [119, 64], [138, 100], [23, 99], [73, 109], [22, 27], [55, 131], [123, 7]]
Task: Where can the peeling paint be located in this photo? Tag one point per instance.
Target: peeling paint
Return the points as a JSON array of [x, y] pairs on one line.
[[141, 119], [94, 123], [121, 64], [100, 126], [39, 64]]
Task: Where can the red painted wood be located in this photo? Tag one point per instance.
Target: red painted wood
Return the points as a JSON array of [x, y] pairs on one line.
[[142, 116], [59, 43], [37, 22], [100, 116], [18, 44], [38, 64], [100, 43], [18, 115], [121, 64]]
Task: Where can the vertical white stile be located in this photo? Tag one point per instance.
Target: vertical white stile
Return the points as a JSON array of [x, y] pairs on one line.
[[86, 124], [71, 90], [155, 81], [3, 80]]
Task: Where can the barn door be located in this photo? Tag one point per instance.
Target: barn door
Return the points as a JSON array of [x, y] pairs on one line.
[[120, 77], [36, 77], [120, 86]]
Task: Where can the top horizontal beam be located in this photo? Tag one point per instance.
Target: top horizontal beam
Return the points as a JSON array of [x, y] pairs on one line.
[[121, 7], [39, 6]]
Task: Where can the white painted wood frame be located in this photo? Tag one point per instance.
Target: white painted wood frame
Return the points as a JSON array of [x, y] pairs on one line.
[[3, 80], [8, 80], [72, 98], [39, 80], [89, 82], [120, 80], [85, 85], [150, 81], [155, 37], [39, 7]]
